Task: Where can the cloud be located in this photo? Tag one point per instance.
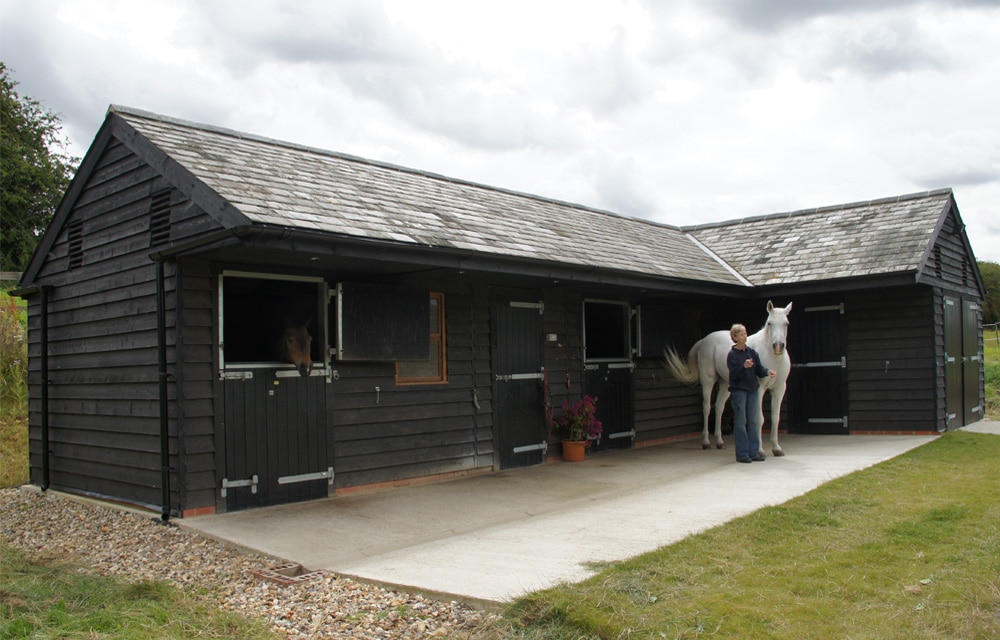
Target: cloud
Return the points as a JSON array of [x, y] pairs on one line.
[[685, 112]]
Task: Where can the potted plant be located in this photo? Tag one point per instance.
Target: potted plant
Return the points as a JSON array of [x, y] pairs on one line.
[[578, 426]]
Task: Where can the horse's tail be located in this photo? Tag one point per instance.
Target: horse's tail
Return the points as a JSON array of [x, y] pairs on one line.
[[686, 372]]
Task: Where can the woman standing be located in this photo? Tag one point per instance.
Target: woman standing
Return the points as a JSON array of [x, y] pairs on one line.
[[744, 369]]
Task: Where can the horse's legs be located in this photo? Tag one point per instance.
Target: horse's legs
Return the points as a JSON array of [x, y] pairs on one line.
[[720, 406], [706, 408], [777, 395]]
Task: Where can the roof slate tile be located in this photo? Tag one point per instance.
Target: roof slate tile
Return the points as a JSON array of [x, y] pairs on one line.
[[277, 183]]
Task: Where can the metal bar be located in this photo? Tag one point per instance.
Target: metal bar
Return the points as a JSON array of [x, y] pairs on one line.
[[294, 373], [235, 375], [542, 446], [621, 434], [620, 365], [519, 376], [832, 307], [306, 477], [248, 482], [529, 305]]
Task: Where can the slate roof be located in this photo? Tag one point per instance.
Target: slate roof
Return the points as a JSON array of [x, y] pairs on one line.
[[880, 237], [251, 180], [278, 183]]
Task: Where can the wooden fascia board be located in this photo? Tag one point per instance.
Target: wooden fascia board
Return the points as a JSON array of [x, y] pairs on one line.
[[929, 249], [176, 174], [264, 236], [838, 285], [951, 207]]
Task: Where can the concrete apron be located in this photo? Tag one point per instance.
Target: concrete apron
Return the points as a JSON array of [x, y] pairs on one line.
[[493, 537]]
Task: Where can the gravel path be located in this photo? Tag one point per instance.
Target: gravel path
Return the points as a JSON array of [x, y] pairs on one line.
[[139, 547]]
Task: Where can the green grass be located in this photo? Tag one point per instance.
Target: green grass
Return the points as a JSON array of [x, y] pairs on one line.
[[13, 392], [41, 600], [907, 549], [13, 449], [991, 358]]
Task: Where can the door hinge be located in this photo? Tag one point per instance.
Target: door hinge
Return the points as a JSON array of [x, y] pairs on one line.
[[542, 446], [235, 484], [306, 477]]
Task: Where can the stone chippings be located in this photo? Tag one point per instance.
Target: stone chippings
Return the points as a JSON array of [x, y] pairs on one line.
[[138, 547]]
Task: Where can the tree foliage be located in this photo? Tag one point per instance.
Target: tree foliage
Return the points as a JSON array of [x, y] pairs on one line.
[[991, 278], [35, 171]]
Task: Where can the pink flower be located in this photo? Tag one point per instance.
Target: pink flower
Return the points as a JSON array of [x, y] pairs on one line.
[[579, 420]]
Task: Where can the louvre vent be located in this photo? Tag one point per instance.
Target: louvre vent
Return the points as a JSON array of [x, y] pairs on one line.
[[75, 244], [159, 217]]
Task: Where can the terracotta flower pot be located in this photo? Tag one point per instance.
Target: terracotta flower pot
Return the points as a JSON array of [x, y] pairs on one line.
[[573, 450]]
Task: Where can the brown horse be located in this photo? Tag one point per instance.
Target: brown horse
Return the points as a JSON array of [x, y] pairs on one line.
[[295, 346]]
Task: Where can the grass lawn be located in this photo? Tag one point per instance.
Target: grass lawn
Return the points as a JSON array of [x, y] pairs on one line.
[[13, 449], [991, 358], [907, 549], [44, 600]]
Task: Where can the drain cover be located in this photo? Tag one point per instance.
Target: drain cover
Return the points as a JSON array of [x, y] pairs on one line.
[[287, 574]]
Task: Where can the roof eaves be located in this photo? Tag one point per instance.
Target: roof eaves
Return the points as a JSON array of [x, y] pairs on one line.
[[817, 210]]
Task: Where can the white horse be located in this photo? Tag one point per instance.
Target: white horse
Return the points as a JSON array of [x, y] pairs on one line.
[[706, 362]]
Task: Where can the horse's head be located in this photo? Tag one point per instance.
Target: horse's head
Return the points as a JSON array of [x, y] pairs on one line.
[[777, 327], [295, 346]]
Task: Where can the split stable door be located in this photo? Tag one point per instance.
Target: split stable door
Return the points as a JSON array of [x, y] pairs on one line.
[[608, 330], [962, 362]]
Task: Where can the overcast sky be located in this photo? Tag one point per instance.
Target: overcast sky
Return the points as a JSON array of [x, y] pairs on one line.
[[683, 111]]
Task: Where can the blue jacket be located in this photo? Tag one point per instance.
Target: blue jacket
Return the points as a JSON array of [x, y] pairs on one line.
[[741, 378]]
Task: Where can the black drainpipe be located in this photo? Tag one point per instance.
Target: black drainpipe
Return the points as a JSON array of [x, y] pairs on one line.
[[161, 337], [44, 295]]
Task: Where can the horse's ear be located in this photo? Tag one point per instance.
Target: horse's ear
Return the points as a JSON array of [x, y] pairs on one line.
[[309, 321], [770, 306], [788, 309]]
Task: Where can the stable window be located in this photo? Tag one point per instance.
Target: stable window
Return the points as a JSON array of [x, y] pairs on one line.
[[606, 331], [434, 369], [381, 323], [256, 309]]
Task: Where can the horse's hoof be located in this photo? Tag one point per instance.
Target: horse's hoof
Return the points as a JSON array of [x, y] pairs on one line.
[[777, 453], [706, 446], [720, 446]]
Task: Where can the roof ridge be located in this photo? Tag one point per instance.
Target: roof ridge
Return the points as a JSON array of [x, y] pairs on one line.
[[815, 210], [149, 115]]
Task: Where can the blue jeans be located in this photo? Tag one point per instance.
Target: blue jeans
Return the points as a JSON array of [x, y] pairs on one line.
[[746, 407]]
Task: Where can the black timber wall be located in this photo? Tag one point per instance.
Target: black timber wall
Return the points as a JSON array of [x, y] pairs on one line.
[[404, 432], [412, 431], [103, 349], [950, 271], [196, 375], [905, 326], [891, 368]]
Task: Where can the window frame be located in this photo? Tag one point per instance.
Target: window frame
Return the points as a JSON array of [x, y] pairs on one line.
[[438, 346]]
